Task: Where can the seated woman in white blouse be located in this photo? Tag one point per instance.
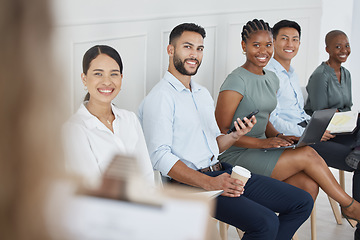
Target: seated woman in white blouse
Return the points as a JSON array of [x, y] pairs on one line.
[[99, 130]]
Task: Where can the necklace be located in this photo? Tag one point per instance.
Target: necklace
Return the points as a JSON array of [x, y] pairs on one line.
[[100, 118], [108, 119]]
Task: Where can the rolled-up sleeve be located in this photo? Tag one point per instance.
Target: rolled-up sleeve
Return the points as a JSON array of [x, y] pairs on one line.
[[284, 126], [156, 116]]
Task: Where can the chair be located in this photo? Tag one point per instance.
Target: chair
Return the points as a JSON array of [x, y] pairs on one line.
[[334, 205], [223, 229]]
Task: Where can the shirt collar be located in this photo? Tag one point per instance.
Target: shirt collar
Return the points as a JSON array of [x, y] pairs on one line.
[[90, 120], [327, 66], [279, 68], [178, 85]]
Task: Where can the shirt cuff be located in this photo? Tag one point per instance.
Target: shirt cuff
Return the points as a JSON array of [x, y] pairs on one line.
[[166, 162]]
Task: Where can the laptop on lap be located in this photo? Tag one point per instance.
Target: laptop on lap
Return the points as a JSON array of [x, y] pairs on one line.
[[314, 129]]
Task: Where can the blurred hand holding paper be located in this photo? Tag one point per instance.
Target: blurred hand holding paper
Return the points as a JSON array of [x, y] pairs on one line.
[[343, 122], [124, 207]]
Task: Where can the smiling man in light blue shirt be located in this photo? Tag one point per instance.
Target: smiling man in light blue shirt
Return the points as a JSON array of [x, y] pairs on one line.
[[289, 110], [290, 107]]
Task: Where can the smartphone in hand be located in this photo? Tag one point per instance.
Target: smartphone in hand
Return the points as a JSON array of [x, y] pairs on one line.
[[233, 129]]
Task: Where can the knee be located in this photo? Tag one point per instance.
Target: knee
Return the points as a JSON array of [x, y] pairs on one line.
[[310, 156], [310, 152], [266, 227], [270, 226]]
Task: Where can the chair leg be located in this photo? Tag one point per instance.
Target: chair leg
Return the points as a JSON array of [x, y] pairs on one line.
[[342, 179], [313, 223], [336, 210], [223, 228], [333, 204], [295, 237], [240, 233]]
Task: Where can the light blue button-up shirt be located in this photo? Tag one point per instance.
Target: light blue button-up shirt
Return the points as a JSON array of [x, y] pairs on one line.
[[179, 124], [289, 110]]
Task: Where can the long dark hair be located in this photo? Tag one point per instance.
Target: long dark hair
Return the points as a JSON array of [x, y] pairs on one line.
[[95, 51]]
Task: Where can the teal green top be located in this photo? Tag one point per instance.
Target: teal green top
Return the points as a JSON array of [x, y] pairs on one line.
[[259, 92], [325, 91]]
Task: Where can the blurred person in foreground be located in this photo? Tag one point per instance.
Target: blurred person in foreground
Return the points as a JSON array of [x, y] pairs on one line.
[[30, 161]]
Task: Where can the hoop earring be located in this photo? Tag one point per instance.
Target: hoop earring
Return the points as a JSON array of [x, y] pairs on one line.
[[243, 52]]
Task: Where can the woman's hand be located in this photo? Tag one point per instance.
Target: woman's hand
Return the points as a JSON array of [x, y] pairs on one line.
[[327, 136], [290, 138], [241, 128], [274, 142]]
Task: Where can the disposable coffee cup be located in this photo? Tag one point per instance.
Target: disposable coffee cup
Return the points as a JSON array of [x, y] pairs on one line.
[[241, 173]]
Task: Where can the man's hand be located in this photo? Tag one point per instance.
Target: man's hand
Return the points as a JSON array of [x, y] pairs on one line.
[[327, 136], [232, 187]]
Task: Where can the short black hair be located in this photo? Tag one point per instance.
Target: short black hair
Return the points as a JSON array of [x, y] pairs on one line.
[[191, 27], [254, 26], [334, 33], [283, 24]]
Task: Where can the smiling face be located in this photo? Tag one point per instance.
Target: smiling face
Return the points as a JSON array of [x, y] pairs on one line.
[[286, 44], [187, 52], [103, 79], [259, 49], [338, 48]]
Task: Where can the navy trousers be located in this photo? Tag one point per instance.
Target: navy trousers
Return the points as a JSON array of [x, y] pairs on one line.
[[254, 211]]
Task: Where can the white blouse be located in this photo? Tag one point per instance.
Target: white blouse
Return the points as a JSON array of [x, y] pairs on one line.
[[90, 145]]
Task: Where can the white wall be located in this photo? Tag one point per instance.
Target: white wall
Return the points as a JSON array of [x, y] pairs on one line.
[[344, 16], [354, 63], [139, 30], [335, 16]]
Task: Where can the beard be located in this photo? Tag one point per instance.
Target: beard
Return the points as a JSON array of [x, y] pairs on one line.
[[180, 65]]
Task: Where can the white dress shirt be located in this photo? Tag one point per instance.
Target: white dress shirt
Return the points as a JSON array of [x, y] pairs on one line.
[[90, 145], [289, 110], [179, 124]]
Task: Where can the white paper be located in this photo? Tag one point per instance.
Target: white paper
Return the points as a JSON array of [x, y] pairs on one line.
[[90, 218], [343, 122]]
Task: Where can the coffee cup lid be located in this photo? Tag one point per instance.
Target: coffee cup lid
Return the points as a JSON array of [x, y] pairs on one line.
[[242, 171]]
